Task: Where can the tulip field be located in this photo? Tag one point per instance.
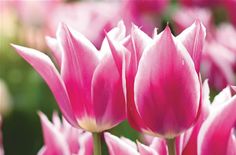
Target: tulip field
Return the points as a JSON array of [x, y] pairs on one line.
[[117, 77]]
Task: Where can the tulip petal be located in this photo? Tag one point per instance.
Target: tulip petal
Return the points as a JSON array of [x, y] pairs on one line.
[[117, 34], [140, 41], [187, 142], [145, 150], [216, 131], [56, 51], [222, 97], [54, 141], [107, 94], [79, 60], [169, 93], [44, 66], [86, 144], [193, 39], [160, 146], [117, 146]]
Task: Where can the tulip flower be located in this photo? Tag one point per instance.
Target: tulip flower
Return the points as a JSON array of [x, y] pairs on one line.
[[157, 102], [61, 138], [127, 147], [216, 135], [89, 96], [208, 136]]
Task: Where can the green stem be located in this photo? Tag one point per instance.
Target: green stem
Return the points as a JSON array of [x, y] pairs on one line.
[[171, 146], [97, 143]]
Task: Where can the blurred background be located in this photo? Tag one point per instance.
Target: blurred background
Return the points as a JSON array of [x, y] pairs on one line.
[[26, 22]]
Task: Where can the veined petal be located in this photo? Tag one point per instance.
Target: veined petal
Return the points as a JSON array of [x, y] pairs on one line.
[[117, 146], [54, 141], [79, 60], [216, 131], [166, 88], [44, 66], [193, 38], [56, 51]]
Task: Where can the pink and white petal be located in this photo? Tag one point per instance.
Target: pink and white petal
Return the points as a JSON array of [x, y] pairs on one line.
[[117, 33], [86, 144], [145, 150], [56, 51], [53, 139], [79, 60], [160, 95], [44, 66], [222, 97], [213, 139], [129, 142], [117, 146], [140, 41], [107, 94], [118, 51], [231, 150], [160, 146], [187, 142], [193, 39]]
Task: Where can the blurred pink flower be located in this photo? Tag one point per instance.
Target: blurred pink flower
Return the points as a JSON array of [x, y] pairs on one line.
[[125, 146], [185, 16], [218, 65], [35, 13], [61, 138], [214, 131], [88, 95], [92, 18], [148, 97], [202, 3], [230, 6]]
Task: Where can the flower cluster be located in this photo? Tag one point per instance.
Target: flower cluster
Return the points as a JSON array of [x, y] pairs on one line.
[[154, 82]]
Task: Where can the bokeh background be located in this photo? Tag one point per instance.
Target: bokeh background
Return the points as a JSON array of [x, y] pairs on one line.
[[26, 22]]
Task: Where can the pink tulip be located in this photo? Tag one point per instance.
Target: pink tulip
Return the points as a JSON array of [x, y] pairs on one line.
[[208, 136], [185, 16], [61, 138], [124, 146], [216, 136], [218, 64], [150, 98], [88, 95]]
